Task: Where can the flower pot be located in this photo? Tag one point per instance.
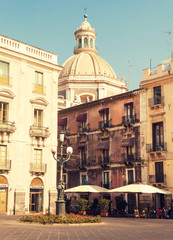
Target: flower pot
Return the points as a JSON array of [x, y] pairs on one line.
[[104, 214], [82, 212]]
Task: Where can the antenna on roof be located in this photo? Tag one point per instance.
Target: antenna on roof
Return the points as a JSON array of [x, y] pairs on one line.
[[170, 43], [129, 70]]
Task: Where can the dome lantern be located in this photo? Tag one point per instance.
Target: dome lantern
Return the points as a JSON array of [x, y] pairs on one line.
[[85, 37]]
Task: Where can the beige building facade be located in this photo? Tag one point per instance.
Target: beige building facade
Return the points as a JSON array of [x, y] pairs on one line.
[[28, 127], [159, 129]]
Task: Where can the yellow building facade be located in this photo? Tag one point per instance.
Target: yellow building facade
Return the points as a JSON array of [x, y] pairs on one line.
[[159, 128]]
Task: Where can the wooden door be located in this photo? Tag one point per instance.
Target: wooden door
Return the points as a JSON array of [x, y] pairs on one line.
[[3, 200]]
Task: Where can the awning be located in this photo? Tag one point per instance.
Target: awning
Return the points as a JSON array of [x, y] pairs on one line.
[[81, 117], [104, 110], [62, 122], [103, 145], [129, 142]]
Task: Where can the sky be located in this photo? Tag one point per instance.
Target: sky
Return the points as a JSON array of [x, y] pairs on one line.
[[131, 34]]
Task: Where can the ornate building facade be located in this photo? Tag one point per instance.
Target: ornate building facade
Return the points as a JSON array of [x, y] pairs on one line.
[[105, 136], [28, 127], [159, 130], [86, 76]]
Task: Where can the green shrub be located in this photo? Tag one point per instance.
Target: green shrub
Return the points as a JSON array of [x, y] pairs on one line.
[[83, 204], [104, 204]]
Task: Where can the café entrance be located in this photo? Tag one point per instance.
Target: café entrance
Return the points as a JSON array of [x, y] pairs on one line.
[[36, 196]]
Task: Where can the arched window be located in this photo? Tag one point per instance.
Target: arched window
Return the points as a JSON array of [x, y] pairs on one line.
[[91, 43], [80, 42], [85, 42]]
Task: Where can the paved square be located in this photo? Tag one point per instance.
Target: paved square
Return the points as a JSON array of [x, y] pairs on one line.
[[111, 228]]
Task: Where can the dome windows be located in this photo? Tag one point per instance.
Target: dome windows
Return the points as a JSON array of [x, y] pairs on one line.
[[85, 42], [80, 42], [91, 43]]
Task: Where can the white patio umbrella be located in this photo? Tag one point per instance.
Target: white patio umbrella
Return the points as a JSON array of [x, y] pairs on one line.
[[86, 189], [137, 188]]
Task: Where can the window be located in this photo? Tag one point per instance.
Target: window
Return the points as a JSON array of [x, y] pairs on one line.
[[157, 95], [158, 142], [38, 87], [4, 73], [105, 118], [159, 172], [38, 117], [83, 156], [37, 159], [85, 98], [91, 43], [3, 112], [129, 110], [105, 156], [84, 179], [80, 42], [3, 156], [130, 175], [85, 42], [106, 180]]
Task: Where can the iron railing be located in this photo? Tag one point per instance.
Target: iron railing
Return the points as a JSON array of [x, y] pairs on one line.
[[153, 101], [104, 124], [156, 148], [129, 119], [161, 178]]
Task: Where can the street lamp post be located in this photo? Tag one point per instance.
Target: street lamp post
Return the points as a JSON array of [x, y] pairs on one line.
[[60, 203]]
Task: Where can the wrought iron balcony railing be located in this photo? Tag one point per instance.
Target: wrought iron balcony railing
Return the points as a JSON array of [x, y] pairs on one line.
[[38, 167], [153, 101], [161, 178], [156, 148], [128, 158], [5, 165], [129, 119], [6, 126], [82, 129], [104, 124], [104, 160], [39, 131]]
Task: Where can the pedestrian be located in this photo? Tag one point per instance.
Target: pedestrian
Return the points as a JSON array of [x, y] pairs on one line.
[[159, 213]]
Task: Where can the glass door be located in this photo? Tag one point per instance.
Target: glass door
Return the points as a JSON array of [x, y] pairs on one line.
[[36, 200]]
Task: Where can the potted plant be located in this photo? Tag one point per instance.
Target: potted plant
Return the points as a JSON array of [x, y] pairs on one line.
[[83, 204], [104, 206]]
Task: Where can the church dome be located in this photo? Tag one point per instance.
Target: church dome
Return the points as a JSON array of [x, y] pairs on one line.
[[87, 63]]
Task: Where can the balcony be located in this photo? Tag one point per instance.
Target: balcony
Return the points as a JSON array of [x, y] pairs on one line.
[[36, 131], [83, 129], [157, 179], [5, 166], [39, 168], [158, 148], [129, 119], [104, 124], [156, 103], [128, 158], [40, 89], [6, 126]]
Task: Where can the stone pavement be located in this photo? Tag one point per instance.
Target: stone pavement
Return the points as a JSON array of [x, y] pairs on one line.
[[111, 228]]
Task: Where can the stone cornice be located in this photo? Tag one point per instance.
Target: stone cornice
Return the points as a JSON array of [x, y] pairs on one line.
[[103, 101]]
